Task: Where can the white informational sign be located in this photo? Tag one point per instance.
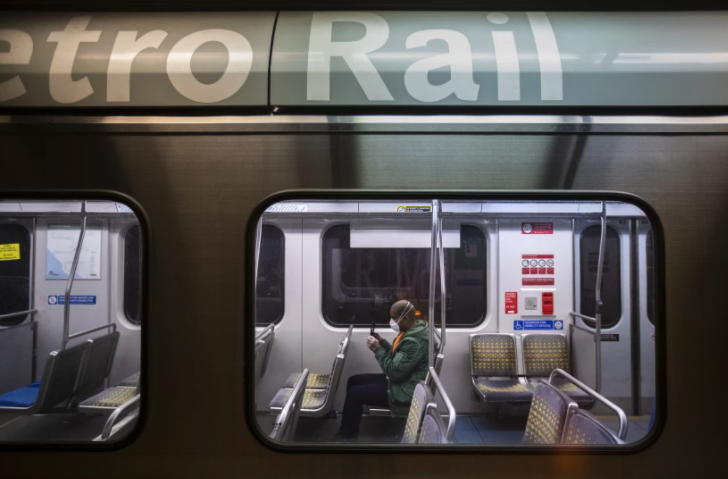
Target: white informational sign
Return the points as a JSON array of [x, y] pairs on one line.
[[62, 242]]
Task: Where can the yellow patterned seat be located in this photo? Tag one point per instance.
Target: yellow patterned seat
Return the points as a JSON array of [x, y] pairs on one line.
[[494, 370], [315, 381], [318, 398], [542, 353], [583, 429], [547, 415], [130, 382], [312, 398], [503, 390], [108, 400], [417, 410]]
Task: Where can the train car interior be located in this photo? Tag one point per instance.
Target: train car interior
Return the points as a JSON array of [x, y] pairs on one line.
[[539, 319], [70, 321]]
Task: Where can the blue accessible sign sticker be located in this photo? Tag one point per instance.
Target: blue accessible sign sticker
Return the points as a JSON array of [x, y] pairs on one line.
[[75, 299], [535, 325]]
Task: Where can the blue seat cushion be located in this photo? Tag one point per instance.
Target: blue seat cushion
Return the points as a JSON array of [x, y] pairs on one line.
[[22, 397]]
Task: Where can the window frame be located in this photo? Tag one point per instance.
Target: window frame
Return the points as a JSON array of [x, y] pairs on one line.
[[583, 269], [18, 320], [283, 269], [135, 322], [32, 195], [420, 196], [342, 326]]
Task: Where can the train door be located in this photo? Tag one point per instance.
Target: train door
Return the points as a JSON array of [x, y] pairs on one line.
[[57, 238], [616, 383], [125, 298], [18, 332], [645, 243], [278, 301]]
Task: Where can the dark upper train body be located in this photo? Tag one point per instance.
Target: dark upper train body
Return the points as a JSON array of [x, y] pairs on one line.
[[487, 242]]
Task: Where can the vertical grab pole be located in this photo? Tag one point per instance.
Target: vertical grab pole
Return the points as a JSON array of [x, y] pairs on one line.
[[443, 290], [433, 270], [258, 238], [598, 309], [71, 276]]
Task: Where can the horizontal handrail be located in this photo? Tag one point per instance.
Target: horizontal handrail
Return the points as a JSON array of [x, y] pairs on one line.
[[583, 316], [265, 331], [19, 313], [622, 434], [93, 330], [114, 415], [452, 415]]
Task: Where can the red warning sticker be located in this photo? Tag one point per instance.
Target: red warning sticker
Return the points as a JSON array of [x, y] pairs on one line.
[[511, 302], [538, 282], [537, 228]]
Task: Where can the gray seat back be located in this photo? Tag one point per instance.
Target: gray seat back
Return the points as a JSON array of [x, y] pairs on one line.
[[583, 428], [421, 398], [263, 348], [284, 428], [542, 353], [433, 429], [493, 355], [337, 368], [62, 376], [98, 366], [549, 410]]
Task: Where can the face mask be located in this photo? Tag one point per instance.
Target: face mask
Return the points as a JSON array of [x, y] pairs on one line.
[[394, 324]]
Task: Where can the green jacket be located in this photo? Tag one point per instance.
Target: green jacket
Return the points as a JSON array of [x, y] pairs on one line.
[[406, 368]]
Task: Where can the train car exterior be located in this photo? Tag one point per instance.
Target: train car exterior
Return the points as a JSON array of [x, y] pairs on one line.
[[199, 184]]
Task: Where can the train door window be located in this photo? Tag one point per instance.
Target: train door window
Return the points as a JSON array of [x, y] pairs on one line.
[[132, 274], [358, 258], [611, 276], [270, 286], [360, 284], [650, 248], [71, 374], [14, 273]]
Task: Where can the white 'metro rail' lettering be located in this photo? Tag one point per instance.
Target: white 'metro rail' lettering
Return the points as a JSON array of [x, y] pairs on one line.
[[67, 88], [459, 59]]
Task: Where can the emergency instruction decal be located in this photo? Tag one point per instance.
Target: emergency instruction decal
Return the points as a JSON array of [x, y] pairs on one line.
[[511, 302], [537, 228], [9, 252]]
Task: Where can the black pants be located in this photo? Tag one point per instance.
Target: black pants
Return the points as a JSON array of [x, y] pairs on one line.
[[369, 389]]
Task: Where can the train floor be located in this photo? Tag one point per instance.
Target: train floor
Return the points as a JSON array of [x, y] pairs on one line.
[[468, 429], [62, 427]]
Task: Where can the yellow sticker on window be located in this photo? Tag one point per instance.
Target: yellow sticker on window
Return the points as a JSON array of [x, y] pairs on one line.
[[9, 252]]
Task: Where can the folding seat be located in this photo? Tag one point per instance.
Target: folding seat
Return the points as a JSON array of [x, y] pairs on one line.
[[318, 399], [549, 410], [583, 428], [542, 353], [494, 369]]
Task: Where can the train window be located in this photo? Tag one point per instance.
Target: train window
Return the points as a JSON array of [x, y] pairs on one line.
[[650, 247], [132, 274], [14, 273], [360, 284], [270, 286], [70, 369], [362, 361], [611, 276]]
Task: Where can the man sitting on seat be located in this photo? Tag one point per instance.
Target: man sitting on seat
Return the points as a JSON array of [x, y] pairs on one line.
[[404, 364]]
